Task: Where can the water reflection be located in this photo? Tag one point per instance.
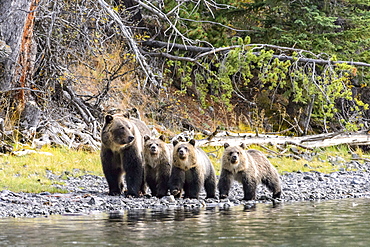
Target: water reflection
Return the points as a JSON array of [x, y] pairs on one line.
[[175, 214], [330, 223]]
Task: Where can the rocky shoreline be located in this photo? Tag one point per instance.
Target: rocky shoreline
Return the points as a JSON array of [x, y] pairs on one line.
[[88, 194]]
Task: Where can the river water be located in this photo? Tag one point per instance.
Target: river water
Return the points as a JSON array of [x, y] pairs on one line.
[[328, 223]]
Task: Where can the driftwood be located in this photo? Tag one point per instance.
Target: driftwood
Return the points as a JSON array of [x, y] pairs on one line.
[[306, 142], [70, 132], [75, 136]]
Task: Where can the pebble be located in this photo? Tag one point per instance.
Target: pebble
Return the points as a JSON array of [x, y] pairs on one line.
[[296, 186]]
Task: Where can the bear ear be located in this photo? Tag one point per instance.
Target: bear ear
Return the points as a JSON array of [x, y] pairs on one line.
[[146, 137], [175, 142], [243, 146], [192, 142], [162, 137], [108, 119], [226, 145]]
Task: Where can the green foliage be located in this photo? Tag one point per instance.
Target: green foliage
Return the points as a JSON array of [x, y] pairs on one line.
[[323, 86], [326, 30], [315, 25]]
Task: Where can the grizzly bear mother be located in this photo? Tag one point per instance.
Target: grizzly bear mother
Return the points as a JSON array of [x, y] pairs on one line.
[[122, 152]]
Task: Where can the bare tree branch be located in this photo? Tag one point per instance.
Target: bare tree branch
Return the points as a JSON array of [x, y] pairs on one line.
[[207, 51], [172, 24], [129, 36]]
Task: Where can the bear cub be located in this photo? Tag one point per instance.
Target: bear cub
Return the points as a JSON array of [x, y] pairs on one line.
[[250, 168], [158, 163], [122, 152], [191, 171]]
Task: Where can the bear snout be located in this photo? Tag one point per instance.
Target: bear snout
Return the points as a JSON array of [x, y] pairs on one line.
[[153, 149], [182, 154], [234, 159], [121, 140], [131, 138]]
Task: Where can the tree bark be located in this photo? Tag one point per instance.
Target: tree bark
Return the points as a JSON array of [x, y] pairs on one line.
[[16, 29]]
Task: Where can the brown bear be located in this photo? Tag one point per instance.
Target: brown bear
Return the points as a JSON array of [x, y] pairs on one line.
[[191, 171], [122, 152], [250, 168], [158, 163]]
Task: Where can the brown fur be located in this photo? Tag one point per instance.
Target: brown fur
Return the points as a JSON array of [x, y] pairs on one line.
[[158, 163], [121, 152], [191, 170], [115, 141], [189, 159], [249, 167]]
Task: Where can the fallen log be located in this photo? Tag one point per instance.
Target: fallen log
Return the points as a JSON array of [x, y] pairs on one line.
[[307, 142]]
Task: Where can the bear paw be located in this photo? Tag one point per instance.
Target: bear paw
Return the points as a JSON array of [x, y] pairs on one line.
[[175, 192], [223, 196]]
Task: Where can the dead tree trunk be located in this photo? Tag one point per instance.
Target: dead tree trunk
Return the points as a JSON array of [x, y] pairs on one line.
[[16, 29]]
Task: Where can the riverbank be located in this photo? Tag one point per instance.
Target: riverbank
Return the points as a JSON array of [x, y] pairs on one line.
[[88, 194]]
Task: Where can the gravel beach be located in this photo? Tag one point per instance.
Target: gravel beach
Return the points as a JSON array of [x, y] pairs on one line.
[[88, 194]]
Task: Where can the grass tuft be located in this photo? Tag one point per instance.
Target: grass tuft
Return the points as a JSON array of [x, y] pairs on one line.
[[29, 173]]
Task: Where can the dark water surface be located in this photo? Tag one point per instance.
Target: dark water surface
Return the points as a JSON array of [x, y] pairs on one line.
[[328, 223]]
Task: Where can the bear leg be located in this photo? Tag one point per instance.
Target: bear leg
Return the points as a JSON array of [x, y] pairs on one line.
[[115, 183], [194, 180], [210, 184], [133, 166], [163, 176], [112, 172], [143, 186], [249, 187], [273, 184], [150, 178], [176, 181], [134, 176], [224, 184]]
